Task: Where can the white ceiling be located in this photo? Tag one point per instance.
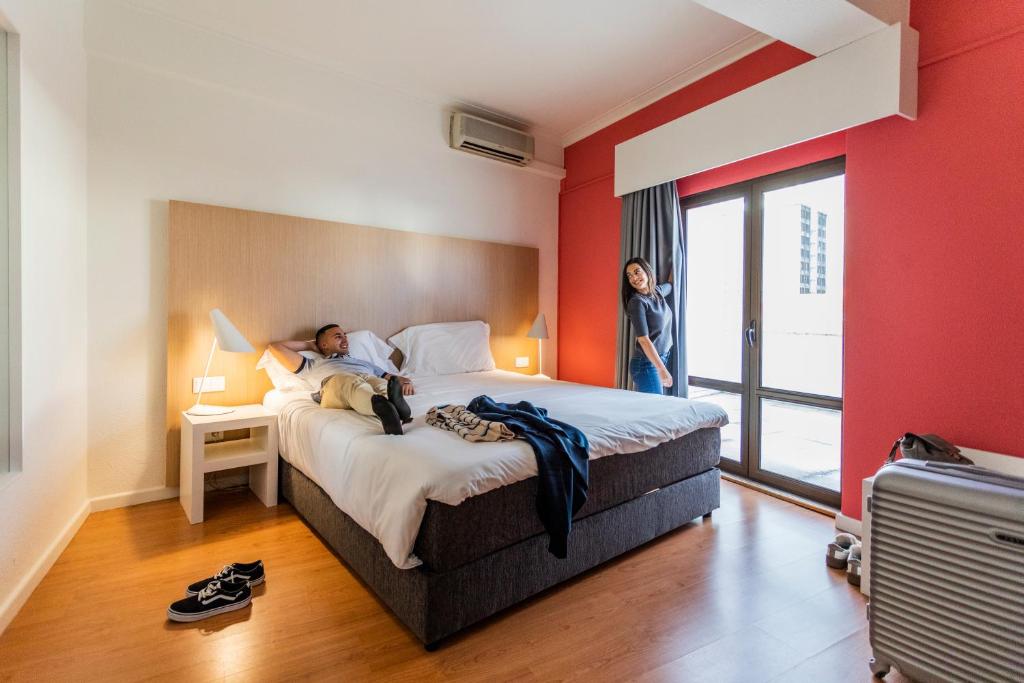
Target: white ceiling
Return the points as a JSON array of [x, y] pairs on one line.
[[562, 67]]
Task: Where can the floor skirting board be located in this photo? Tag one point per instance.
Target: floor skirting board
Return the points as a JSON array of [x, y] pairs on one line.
[[126, 498], [10, 605]]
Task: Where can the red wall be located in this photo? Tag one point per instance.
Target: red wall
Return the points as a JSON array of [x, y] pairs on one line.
[[588, 223], [934, 305]]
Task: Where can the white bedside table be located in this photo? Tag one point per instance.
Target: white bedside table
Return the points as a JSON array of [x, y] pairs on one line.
[[258, 452]]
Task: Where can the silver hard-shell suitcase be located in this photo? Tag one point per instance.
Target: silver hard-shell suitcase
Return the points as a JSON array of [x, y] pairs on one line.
[[947, 572]]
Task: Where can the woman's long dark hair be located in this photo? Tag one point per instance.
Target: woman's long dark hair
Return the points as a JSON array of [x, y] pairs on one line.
[[628, 290]]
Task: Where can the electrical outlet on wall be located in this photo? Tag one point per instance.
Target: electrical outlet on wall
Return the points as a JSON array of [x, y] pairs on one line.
[[214, 437], [212, 384], [522, 361]]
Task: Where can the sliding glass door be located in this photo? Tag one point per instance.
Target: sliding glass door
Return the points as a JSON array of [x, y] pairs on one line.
[[716, 306], [764, 323]]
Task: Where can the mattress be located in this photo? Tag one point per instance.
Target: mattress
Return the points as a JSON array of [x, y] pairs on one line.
[[384, 482]]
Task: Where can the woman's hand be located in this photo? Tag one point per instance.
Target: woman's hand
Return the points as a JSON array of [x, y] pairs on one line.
[[666, 377], [407, 388]]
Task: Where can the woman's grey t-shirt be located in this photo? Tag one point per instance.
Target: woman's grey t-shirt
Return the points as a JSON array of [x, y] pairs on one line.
[[651, 317]]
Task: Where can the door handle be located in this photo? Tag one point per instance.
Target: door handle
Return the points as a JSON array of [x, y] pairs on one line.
[[751, 334]]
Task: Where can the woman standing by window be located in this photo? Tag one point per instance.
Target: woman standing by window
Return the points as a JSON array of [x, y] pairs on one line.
[[651, 317]]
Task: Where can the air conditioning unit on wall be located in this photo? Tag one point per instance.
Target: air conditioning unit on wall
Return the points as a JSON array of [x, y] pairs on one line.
[[480, 136]]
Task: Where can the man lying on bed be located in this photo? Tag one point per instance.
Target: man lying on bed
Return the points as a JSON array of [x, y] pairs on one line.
[[347, 382]]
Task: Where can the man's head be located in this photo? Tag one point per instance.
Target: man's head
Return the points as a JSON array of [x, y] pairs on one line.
[[332, 339]]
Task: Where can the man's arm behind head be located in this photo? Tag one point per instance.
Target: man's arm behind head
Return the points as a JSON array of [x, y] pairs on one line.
[[287, 352]]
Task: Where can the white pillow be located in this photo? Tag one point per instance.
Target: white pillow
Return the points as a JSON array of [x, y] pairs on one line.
[[445, 348], [365, 345], [283, 378]]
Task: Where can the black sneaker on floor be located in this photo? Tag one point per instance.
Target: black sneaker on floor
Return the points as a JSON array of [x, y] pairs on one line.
[[217, 598], [249, 572]]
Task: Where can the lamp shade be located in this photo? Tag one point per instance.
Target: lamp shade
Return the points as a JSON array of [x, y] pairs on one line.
[[539, 329], [228, 336]]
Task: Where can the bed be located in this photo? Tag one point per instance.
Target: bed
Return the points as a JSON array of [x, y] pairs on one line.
[[446, 533], [457, 550]]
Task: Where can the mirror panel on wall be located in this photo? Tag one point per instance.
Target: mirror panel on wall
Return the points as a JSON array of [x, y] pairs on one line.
[[5, 266], [10, 257]]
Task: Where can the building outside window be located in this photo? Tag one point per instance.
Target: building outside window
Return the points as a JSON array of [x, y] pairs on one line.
[[805, 249], [813, 250], [822, 222]]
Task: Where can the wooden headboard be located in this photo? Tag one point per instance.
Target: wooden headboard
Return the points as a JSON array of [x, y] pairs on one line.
[[281, 277]]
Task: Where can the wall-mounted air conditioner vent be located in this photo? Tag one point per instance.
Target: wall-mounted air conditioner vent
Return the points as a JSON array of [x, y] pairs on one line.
[[479, 136]]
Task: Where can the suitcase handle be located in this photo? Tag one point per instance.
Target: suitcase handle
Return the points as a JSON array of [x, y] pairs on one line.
[[974, 472]]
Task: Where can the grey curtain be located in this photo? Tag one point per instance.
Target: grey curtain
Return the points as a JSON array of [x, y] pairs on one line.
[[652, 228]]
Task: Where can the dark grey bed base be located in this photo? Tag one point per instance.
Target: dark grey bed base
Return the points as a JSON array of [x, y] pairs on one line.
[[453, 535], [437, 604]]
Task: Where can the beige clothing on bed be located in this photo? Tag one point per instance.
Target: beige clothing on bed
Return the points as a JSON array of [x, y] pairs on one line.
[[352, 390], [468, 425]]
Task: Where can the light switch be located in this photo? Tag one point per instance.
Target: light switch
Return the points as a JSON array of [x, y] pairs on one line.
[[212, 384], [522, 361]]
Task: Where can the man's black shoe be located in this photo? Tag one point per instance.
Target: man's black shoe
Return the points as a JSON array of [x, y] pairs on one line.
[[249, 572], [218, 597], [398, 400], [388, 415]]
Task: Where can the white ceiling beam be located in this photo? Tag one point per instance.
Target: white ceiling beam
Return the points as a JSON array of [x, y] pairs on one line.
[[889, 11], [864, 81], [814, 26]]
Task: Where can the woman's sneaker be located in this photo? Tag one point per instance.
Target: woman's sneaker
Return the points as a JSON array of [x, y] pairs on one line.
[[853, 565], [839, 550], [216, 598], [251, 573]]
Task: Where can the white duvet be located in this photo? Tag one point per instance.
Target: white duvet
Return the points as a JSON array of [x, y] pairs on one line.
[[383, 482]]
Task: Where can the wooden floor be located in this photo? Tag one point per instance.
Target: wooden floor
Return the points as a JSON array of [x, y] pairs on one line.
[[744, 596]]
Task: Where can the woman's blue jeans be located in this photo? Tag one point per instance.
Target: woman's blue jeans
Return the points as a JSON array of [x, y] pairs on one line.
[[645, 374]]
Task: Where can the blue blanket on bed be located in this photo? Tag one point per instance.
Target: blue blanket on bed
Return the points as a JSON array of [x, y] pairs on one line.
[[562, 462]]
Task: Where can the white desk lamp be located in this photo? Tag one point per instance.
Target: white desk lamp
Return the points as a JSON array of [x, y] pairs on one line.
[[230, 339], [539, 331]]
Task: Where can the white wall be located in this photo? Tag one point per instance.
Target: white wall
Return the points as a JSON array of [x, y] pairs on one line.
[[180, 113], [42, 505]]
